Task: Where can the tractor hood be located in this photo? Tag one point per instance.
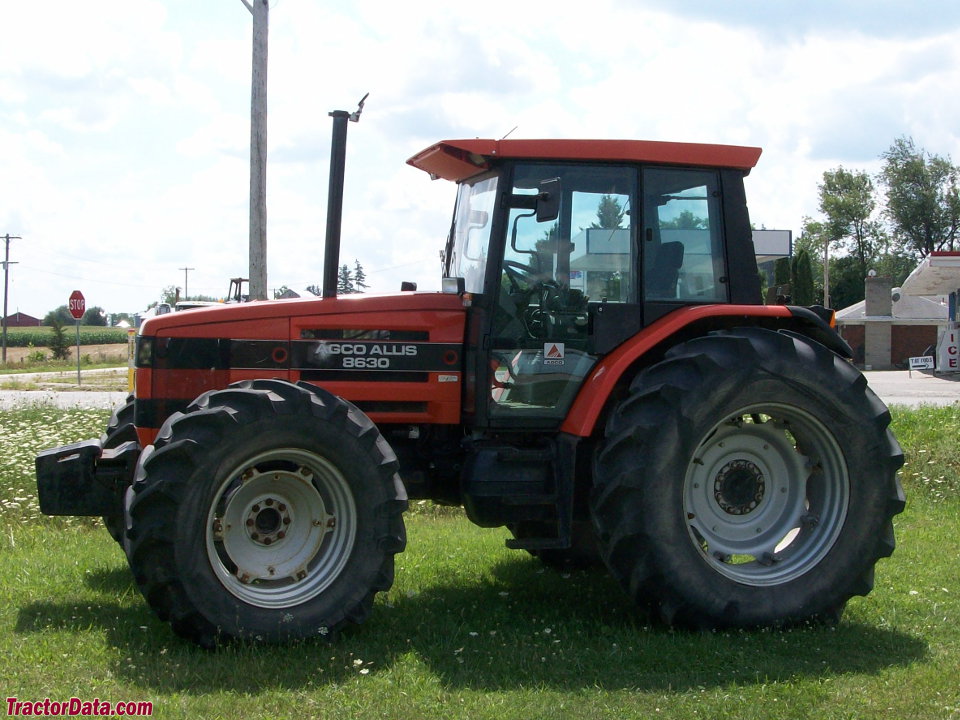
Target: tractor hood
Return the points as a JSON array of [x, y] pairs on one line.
[[277, 319]]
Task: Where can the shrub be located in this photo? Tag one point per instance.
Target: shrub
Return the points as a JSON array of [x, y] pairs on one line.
[[58, 344]]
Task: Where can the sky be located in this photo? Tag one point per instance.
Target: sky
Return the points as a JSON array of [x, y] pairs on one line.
[[125, 124]]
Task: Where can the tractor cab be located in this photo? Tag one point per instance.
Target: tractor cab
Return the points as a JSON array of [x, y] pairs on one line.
[[570, 258]]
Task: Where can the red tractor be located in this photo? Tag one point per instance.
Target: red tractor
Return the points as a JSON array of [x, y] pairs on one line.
[[598, 375]]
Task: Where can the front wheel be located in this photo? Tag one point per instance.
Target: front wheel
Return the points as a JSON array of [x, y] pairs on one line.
[[267, 511], [749, 479], [120, 429]]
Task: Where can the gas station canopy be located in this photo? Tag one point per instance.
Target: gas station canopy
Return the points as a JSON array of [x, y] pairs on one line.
[[937, 274]]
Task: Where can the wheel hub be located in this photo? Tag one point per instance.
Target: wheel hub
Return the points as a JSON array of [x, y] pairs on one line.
[[267, 520], [282, 528], [739, 487], [751, 486]]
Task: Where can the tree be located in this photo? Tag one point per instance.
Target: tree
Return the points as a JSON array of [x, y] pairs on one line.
[[846, 281], [94, 316], [345, 281], [923, 205], [61, 315], [847, 201], [781, 271], [314, 290], [169, 294], [813, 239], [896, 265], [359, 277], [801, 274], [609, 213], [59, 345], [686, 220]]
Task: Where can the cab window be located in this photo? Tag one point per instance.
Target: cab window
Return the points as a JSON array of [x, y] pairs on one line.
[[683, 253]]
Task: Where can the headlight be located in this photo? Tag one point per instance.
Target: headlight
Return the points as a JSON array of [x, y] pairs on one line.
[[144, 351]]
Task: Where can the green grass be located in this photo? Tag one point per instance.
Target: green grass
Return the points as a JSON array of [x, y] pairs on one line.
[[473, 630], [65, 369]]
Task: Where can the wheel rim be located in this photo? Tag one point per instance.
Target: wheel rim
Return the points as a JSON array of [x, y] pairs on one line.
[[766, 494], [281, 528]]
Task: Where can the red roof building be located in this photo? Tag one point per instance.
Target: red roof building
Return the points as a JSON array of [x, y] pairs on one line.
[[19, 319]]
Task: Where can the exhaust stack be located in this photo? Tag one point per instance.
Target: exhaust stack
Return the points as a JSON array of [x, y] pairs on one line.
[[338, 160]]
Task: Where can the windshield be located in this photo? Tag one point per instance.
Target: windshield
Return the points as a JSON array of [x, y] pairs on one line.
[[467, 254]]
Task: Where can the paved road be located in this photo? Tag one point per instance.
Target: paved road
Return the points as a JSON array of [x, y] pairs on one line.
[[897, 387], [902, 387], [67, 398]]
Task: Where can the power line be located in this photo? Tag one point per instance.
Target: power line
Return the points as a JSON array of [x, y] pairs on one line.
[[98, 280]]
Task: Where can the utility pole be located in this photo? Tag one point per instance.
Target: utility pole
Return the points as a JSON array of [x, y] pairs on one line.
[[186, 293], [6, 285], [260, 9]]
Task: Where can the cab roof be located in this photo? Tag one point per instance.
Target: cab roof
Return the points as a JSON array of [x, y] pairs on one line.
[[460, 159]]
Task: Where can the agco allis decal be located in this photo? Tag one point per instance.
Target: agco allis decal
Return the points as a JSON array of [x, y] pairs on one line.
[[366, 355], [362, 356]]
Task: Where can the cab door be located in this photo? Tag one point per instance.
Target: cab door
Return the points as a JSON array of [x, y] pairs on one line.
[[553, 278]]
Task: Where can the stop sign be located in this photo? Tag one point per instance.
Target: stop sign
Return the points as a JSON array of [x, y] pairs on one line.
[[77, 304]]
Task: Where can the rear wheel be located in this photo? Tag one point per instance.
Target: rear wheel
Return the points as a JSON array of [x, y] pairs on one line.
[[747, 480], [269, 511]]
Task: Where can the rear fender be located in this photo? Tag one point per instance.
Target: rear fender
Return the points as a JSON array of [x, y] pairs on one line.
[[649, 346]]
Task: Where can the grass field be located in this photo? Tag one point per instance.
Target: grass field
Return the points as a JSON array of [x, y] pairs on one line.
[[473, 630], [28, 349], [40, 336]]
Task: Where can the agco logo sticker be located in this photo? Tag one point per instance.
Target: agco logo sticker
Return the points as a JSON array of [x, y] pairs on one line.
[[553, 353]]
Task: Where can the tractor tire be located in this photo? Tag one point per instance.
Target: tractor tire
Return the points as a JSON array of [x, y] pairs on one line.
[[747, 480], [120, 429], [267, 511]]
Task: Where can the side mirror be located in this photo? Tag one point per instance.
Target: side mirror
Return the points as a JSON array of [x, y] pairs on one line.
[[548, 201]]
